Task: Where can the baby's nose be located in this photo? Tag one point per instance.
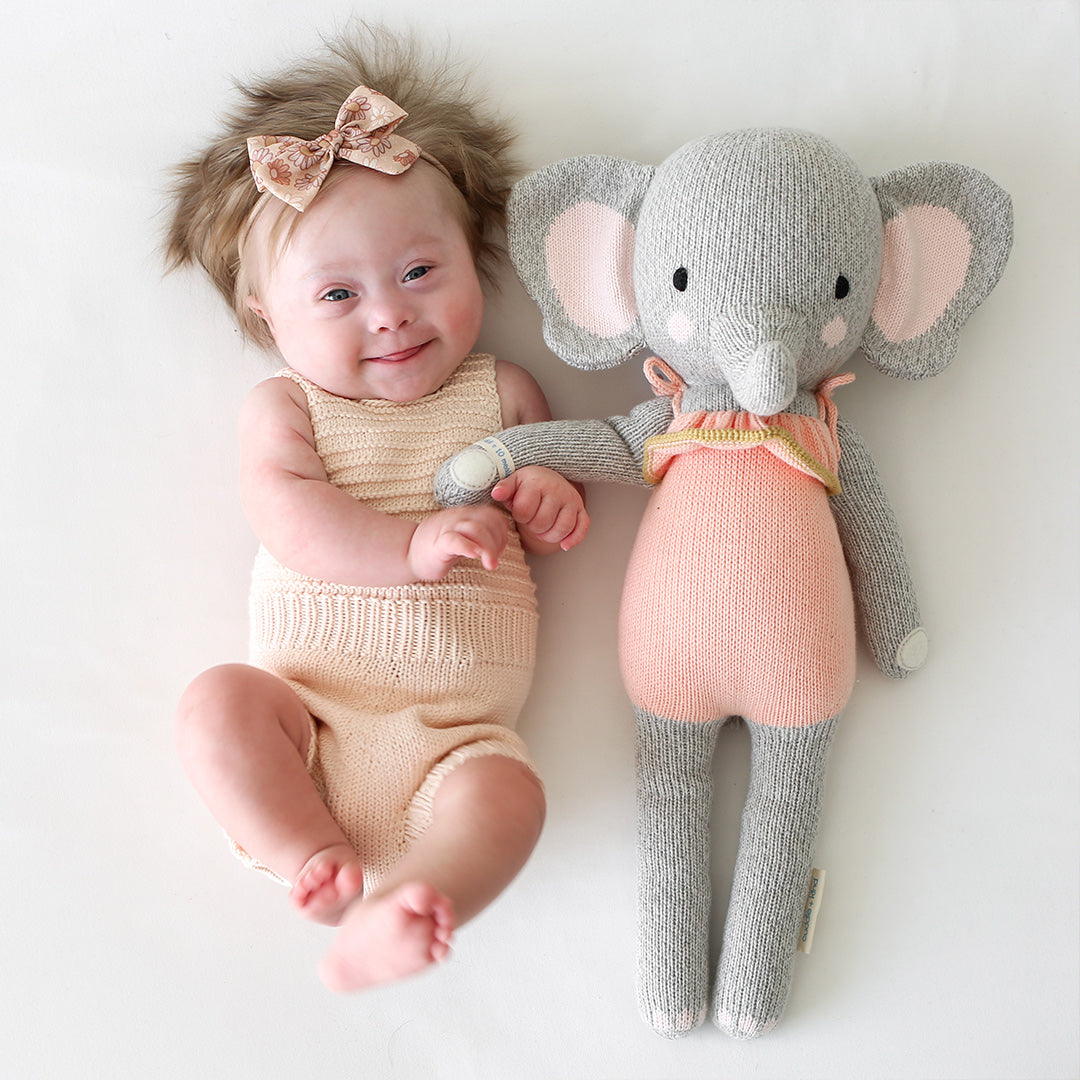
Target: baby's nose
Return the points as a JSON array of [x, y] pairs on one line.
[[389, 313]]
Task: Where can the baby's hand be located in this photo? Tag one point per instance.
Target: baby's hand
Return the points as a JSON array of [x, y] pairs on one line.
[[549, 510], [462, 532]]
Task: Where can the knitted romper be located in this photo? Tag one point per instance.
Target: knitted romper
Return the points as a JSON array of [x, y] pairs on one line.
[[403, 683], [737, 599]]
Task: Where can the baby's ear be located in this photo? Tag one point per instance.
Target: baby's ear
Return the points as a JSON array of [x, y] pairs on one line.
[[255, 322]]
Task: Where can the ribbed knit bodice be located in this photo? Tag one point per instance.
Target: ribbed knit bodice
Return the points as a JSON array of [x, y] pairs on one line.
[[386, 454]]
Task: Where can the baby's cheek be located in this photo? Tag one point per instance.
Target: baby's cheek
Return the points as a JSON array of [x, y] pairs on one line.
[[680, 327], [834, 332]]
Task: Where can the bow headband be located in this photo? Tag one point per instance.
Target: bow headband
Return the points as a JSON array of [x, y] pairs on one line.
[[294, 169]]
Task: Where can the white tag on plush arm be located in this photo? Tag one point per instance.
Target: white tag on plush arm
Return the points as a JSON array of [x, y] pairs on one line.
[[481, 466], [469, 476]]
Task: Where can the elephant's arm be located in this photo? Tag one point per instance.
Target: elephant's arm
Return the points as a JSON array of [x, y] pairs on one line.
[[884, 593], [611, 450]]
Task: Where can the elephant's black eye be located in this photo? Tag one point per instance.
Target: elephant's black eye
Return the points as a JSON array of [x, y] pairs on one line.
[[843, 287], [679, 278]]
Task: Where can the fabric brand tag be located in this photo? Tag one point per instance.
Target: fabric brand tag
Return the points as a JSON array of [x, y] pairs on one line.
[[810, 912], [500, 456]]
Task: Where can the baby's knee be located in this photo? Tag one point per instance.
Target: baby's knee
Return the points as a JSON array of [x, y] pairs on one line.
[[531, 797], [522, 788], [502, 785], [206, 711]]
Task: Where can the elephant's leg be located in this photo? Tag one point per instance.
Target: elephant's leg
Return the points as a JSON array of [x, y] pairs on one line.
[[674, 778], [772, 875]]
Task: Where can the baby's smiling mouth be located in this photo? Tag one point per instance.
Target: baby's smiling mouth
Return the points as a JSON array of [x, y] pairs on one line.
[[399, 356]]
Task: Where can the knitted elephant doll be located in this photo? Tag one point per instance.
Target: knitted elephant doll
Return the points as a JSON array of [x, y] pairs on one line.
[[751, 266]]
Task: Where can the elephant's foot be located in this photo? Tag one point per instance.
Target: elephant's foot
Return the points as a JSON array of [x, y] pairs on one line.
[[753, 980], [743, 1027], [674, 1025], [673, 970]]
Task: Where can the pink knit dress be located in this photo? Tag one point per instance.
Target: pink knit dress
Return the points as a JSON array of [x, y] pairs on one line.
[[737, 599]]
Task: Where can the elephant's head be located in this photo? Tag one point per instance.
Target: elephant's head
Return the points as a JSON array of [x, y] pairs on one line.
[[758, 261]]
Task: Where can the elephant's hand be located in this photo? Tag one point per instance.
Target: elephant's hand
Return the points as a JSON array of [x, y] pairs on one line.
[[469, 476], [907, 656]]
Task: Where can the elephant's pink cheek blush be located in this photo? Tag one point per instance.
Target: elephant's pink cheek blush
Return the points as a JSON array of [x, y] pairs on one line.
[[834, 332], [680, 327]]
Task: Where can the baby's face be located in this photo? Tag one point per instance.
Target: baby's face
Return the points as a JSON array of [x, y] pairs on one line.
[[375, 294]]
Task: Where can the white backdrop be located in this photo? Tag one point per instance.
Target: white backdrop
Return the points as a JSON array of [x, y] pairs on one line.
[[131, 945]]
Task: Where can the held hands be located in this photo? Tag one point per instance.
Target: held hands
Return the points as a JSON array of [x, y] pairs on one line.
[[549, 511]]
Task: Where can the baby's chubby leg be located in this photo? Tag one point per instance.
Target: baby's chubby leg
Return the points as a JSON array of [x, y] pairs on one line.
[[242, 736], [486, 818]]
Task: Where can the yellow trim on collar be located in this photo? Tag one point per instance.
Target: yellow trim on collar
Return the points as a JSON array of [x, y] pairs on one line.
[[733, 438]]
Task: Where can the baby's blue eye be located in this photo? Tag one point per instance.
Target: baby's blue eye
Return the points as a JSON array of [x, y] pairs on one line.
[[416, 272], [338, 294]]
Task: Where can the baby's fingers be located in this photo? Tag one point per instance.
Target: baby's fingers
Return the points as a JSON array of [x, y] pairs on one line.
[[455, 544], [579, 526], [519, 497], [482, 537], [567, 528], [545, 517], [532, 505]]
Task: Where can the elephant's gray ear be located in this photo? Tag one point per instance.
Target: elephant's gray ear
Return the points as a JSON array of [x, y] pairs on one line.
[[948, 230], [571, 229]]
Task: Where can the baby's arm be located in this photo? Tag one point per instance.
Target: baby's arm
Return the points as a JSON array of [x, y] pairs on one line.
[[316, 529], [548, 509]]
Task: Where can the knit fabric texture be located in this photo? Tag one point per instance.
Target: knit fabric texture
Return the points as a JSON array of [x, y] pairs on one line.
[[779, 823], [407, 682], [755, 263], [737, 599]]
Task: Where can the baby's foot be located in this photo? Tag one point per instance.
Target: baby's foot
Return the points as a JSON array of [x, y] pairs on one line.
[[389, 937], [327, 883]]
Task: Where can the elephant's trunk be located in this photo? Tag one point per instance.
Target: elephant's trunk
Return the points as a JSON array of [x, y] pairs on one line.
[[759, 357]]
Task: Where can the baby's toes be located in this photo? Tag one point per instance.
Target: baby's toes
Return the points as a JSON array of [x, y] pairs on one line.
[[315, 875], [316, 878], [438, 910], [443, 913], [417, 898], [349, 880], [327, 883]]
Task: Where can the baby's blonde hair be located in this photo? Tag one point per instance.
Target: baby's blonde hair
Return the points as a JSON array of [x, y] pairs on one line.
[[215, 198]]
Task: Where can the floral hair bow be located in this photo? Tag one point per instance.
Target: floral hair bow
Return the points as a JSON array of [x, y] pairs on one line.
[[294, 169]]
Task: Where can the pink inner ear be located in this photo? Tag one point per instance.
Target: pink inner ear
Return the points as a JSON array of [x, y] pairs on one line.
[[589, 251], [926, 257]]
